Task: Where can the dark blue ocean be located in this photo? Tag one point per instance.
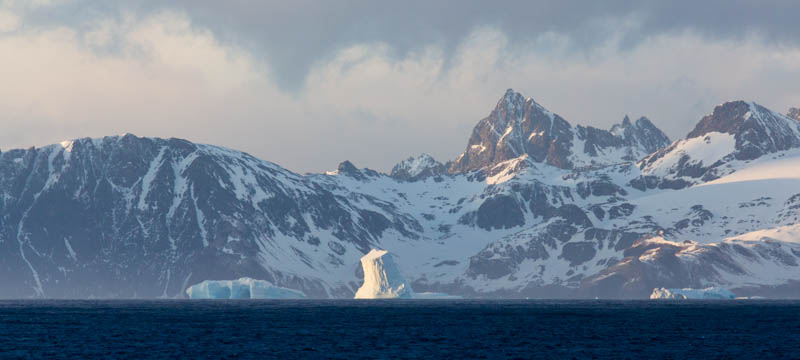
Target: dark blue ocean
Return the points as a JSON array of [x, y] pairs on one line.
[[398, 329]]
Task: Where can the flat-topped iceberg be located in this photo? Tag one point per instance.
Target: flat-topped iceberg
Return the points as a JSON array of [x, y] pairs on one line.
[[244, 288], [711, 293], [382, 278]]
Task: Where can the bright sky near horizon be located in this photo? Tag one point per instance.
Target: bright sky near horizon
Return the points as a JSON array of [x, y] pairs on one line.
[[307, 84]]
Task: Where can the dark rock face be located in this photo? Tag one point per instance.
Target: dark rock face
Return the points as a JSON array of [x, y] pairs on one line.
[[500, 212], [578, 252]]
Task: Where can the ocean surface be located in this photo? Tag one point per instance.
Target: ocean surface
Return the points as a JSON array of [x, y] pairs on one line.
[[345, 329]]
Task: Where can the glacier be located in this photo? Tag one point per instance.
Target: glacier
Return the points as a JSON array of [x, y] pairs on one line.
[[382, 278], [711, 293], [243, 288]]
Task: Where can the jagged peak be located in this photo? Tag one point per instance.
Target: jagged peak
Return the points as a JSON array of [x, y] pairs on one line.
[[644, 122], [347, 168], [641, 127], [729, 117], [513, 100], [417, 167], [794, 113]]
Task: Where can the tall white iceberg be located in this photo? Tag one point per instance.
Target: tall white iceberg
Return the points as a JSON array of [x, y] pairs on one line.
[[382, 278], [711, 293], [244, 288]]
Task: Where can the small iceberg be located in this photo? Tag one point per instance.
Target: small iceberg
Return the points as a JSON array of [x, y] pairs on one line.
[[711, 293], [382, 278], [244, 288]]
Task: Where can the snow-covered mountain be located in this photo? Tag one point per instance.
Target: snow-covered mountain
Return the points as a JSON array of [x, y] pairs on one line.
[[533, 208], [734, 134]]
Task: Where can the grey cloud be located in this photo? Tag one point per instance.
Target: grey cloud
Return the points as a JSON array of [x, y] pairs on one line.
[[660, 59], [292, 36]]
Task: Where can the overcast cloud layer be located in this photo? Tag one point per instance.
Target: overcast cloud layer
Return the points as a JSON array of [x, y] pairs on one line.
[[309, 84]]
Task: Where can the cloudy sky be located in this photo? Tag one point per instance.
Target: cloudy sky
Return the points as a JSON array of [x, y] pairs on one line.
[[307, 84]]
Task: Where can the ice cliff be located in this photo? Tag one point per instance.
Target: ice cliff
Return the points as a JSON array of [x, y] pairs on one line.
[[244, 288], [382, 278]]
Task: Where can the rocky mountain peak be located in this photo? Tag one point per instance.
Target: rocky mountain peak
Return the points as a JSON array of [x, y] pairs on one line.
[[627, 141], [757, 130], [641, 134], [726, 118], [517, 126], [794, 113], [417, 168], [626, 121], [346, 167], [734, 131]]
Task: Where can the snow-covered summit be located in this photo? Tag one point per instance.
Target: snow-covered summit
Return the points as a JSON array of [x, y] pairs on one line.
[[757, 130], [735, 132], [416, 168]]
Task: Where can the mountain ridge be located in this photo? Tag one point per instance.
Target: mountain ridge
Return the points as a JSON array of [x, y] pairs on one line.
[[129, 217]]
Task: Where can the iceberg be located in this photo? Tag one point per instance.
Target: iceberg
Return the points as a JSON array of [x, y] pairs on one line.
[[382, 278], [711, 293], [244, 288]]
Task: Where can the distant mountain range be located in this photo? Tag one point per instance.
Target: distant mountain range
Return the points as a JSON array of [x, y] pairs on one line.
[[534, 207]]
